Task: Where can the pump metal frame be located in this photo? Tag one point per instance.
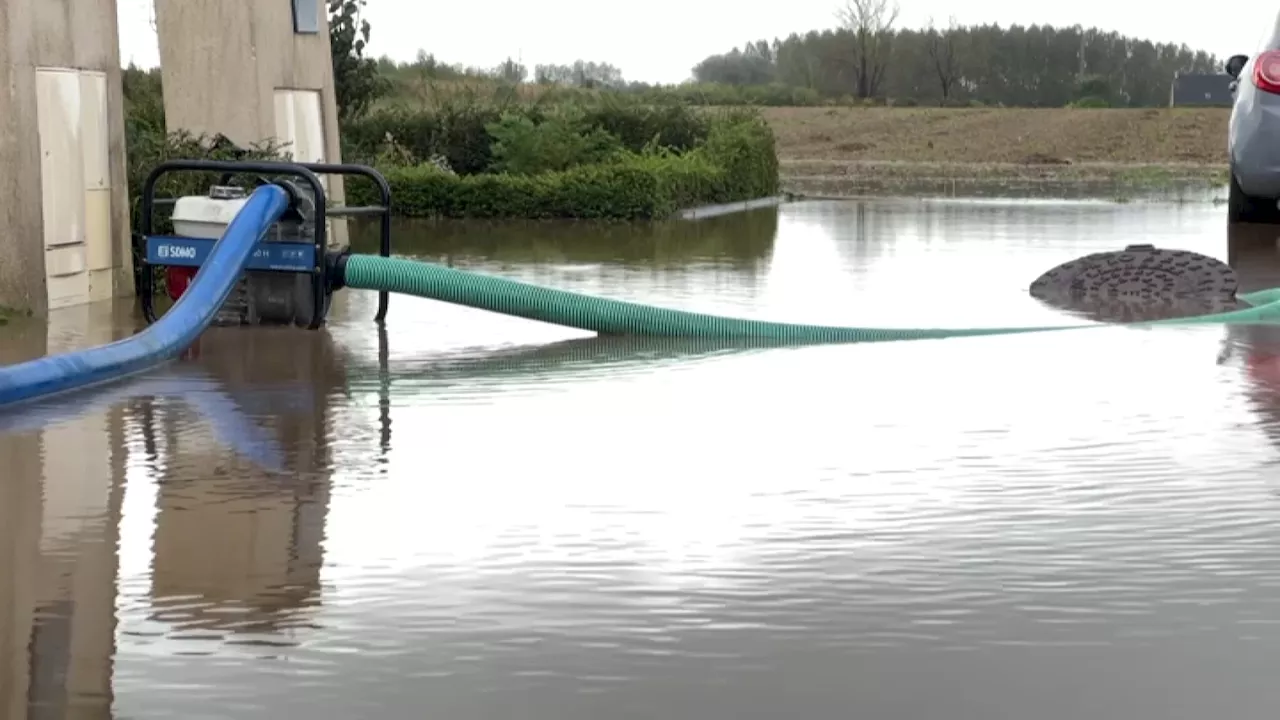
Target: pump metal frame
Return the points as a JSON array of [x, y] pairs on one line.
[[308, 173]]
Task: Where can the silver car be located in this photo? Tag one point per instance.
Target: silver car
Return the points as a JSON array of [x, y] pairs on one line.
[[1253, 136]]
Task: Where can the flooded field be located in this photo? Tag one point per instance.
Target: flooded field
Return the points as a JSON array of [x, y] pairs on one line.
[[472, 517]]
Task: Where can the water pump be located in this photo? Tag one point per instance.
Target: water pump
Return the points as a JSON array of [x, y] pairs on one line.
[[289, 279], [280, 287]]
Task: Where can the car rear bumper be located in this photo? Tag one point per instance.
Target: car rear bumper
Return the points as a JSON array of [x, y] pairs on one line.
[[1254, 142]]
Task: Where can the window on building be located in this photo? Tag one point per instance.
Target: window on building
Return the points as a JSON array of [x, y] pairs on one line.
[[306, 17]]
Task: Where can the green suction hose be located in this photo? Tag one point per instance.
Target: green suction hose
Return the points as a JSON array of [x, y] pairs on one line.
[[617, 317]]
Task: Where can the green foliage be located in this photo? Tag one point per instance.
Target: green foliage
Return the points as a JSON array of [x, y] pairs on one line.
[[629, 189], [522, 146], [1092, 91], [591, 192], [458, 133], [143, 100], [582, 74], [742, 144], [1090, 101], [1013, 65], [640, 125], [459, 130], [735, 162], [357, 82]]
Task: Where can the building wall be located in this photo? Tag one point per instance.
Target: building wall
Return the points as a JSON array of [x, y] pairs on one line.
[[223, 61], [79, 35]]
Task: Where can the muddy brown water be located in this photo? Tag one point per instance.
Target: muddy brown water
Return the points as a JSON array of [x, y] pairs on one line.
[[477, 517]]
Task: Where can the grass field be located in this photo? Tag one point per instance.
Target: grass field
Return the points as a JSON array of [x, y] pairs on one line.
[[839, 151]]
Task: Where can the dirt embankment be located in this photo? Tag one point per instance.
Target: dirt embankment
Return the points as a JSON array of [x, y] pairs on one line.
[[847, 150]]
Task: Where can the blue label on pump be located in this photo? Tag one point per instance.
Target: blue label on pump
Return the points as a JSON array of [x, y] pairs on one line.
[[192, 252]]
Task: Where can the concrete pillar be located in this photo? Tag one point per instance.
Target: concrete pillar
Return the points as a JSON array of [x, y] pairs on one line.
[[252, 70], [64, 210]]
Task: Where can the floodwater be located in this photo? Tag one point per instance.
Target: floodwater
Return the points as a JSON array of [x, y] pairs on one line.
[[472, 517]]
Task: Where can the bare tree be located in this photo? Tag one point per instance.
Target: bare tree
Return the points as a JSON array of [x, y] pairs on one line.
[[871, 24], [945, 56]]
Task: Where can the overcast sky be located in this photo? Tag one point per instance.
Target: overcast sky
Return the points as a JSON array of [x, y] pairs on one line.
[[661, 40]]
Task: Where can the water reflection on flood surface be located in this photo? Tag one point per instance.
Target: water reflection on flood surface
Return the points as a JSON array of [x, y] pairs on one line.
[[471, 516]]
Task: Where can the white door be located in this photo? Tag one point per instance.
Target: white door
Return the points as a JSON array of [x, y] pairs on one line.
[[58, 115], [71, 113]]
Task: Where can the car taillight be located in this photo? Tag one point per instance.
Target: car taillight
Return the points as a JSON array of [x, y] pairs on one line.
[[1266, 72]]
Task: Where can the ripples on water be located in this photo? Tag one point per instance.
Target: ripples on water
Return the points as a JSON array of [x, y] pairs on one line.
[[480, 517]]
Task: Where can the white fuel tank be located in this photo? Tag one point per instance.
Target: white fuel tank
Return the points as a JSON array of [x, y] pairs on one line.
[[207, 216]]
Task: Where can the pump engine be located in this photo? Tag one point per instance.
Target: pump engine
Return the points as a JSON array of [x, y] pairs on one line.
[[281, 288]]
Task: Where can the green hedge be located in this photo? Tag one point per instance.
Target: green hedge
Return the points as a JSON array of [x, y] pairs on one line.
[[736, 161], [459, 133]]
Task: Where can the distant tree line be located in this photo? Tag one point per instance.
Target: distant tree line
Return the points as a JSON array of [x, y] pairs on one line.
[[579, 74], [869, 61], [867, 57]]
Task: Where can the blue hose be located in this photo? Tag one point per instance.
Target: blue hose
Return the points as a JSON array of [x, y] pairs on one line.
[[172, 333]]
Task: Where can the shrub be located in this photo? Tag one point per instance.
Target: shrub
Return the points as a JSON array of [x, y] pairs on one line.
[[628, 189], [638, 126], [457, 133], [742, 143], [461, 132], [522, 146], [1090, 102], [736, 162]]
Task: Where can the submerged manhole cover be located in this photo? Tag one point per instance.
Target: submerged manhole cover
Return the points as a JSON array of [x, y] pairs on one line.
[[1139, 283]]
